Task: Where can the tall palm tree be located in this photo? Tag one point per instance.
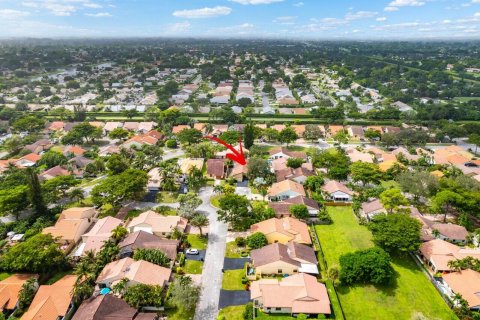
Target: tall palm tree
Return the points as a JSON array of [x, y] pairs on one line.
[[200, 221], [118, 233], [76, 195]]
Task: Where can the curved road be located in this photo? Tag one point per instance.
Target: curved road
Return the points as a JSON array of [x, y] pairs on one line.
[[207, 308]]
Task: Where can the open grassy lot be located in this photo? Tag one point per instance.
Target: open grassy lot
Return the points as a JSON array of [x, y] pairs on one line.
[[197, 242], [193, 267], [232, 280], [231, 313], [411, 294]]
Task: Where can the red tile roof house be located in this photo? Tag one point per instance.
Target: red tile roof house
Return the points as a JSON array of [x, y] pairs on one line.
[[139, 140], [337, 192], [300, 293], [311, 204], [136, 272], [29, 160], [53, 172], [75, 150], [467, 284], [437, 253], [9, 289], [277, 258], [216, 168]]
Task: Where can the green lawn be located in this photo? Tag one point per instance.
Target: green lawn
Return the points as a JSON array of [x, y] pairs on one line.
[[263, 316], [168, 197], [232, 251], [390, 184], [232, 280], [197, 242], [179, 314], [193, 267], [4, 275], [411, 294], [231, 313], [214, 200]]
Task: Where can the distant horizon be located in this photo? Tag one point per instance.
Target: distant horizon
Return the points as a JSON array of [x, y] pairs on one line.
[[361, 20]]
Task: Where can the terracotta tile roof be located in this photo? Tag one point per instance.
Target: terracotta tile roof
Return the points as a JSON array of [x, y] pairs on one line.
[[142, 239], [310, 203], [56, 125], [293, 228], [440, 252], [76, 150], [177, 129], [216, 167], [279, 164], [131, 126], [451, 231], [333, 186], [284, 186], [33, 157], [301, 292], [293, 154], [157, 222], [466, 283], [136, 271], [281, 208], [105, 307], [100, 232], [9, 289], [272, 253], [51, 301]]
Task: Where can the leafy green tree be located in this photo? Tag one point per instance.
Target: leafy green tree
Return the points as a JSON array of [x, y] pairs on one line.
[[143, 295], [200, 221], [189, 136], [154, 256], [341, 137], [28, 124], [35, 192], [372, 134], [299, 211], [52, 159], [13, 200], [231, 137], [57, 187], [235, 210], [366, 266], [396, 233], [294, 162], [418, 183], [195, 179], [118, 133], [249, 135], [393, 198], [38, 254], [257, 240], [365, 172], [288, 135], [27, 293], [314, 183], [130, 113], [474, 139], [84, 131], [76, 194], [184, 293], [334, 160], [117, 164], [119, 233], [188, 203], [447, 202], [13, 144], [333, 273], [258, 168], [312, 132], [128, 185]]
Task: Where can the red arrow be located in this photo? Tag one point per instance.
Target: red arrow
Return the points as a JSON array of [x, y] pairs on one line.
[[236, 156]]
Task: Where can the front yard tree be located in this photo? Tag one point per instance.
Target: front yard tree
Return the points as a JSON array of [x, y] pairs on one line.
[[200, 221], [366, 266], [294, 162], [52, 158], [312, 132], [188, 203], [299, 211], [117, 164], [184, 293], [38, 254], [396, 233], [341, 137], [393, 198], [314, 183], [418, 183], [118, 133], [257, 240], [195, 179], [235, 209], [447, 202], [258, 168], [189, 136], [143, 295], [365, 172], [288, 135], [248, 135], [13, 200]]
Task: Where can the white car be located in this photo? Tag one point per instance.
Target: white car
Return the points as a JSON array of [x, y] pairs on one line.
[[192, 251]]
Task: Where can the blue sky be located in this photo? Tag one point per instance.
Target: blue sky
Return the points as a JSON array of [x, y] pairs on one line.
[[290, 19]]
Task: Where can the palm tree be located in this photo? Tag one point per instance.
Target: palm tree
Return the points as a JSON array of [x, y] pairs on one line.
[[121, 287], [199, 221], [218, 188], [118, 233]]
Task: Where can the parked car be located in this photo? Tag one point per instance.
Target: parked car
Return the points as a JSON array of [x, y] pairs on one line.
[[192, 251]]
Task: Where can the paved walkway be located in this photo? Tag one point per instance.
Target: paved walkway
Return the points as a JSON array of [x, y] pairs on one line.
[[207, 308]]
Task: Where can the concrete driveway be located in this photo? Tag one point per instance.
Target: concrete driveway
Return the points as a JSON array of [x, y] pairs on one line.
[[208, 304]]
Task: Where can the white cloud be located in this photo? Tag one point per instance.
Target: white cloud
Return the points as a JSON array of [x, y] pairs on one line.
[[286, 20], [93, 5], [298, 4], [255, 2], [360, 15], [390, 9], [13, 14], [406, 3], [179, 27], [477, 14], [98, 15], [203, 12], [381, 19]]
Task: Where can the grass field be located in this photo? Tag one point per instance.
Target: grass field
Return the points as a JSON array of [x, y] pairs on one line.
[[4, 275], [231, 313], [232, 280], [411, 294], [197, 242], [466, 99], [193, 267]]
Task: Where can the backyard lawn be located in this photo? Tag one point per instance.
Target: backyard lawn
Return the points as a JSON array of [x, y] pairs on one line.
[[193, 267], [411, 294], [232, 280], [197, 242]]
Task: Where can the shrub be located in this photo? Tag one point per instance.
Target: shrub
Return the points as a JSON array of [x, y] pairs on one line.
[[257, 240], [240, 241], [181, 260], [172, 144], [248, 312], [302, 316], [180, 271], [366, 266]]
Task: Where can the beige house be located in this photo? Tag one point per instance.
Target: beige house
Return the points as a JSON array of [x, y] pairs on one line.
[[283, 230], [101, 231], [136, 272], [285, 189], [71, 225], [277, 258], [154, 223], [300, 293]]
